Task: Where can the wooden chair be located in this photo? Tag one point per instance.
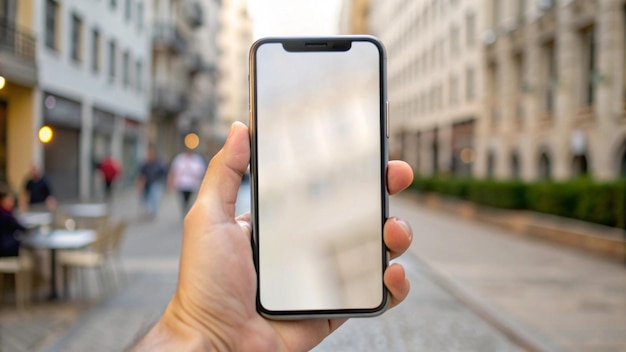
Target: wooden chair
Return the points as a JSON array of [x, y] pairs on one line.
[[22, 269], [93, 257]]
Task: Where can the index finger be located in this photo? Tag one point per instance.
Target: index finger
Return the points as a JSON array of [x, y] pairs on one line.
[[399, 176]]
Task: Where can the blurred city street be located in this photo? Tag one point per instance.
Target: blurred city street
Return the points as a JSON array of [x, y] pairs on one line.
[[474, 288]]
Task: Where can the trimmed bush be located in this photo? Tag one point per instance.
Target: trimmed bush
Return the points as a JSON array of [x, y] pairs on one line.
[[583, 199]]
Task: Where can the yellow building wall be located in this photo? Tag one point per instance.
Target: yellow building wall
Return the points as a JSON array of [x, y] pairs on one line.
[[19, 132]]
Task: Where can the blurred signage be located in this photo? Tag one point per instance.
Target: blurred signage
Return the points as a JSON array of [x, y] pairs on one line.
[[103, 122], [61, 112]]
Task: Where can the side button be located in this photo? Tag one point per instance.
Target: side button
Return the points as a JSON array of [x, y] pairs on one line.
[[387, 117]]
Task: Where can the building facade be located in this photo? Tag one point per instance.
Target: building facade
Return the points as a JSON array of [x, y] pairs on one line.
[[184, 91], [234, 43], [18, 82], [94, 64], [519, 89]]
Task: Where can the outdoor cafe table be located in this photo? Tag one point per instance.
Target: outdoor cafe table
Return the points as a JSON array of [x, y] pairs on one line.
[[86, 210], [33, 220], [85, 215], [57, 239]]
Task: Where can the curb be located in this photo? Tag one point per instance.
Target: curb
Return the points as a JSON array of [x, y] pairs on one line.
[[512, 329], [604, 241]]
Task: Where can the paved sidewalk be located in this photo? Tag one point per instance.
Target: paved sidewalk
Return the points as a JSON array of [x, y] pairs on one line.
[[546, 295]]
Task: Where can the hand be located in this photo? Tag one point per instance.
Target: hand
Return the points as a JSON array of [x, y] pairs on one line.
[[213, 307]]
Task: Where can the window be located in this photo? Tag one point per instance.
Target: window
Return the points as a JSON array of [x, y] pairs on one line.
[[470, 30], [521, 11], [515, 165], [112, 58], [469, 84], [491, 164], [495, 13], [126, 68], [454, 90], [545, 167], [139, 75], [518, 82], [550, 70], [494, 89], [140, 16], [76, 40], [95, 50], [52, 15], [454, 40], [128, 10], [588, 65]]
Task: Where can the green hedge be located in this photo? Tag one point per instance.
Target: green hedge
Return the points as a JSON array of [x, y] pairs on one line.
[[602, 203]]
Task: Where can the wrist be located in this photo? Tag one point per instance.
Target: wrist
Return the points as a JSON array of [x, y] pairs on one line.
[[171, 333]]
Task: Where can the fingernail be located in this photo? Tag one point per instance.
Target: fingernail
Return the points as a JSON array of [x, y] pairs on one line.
[[232, 129], [245, 226], [407, 228]]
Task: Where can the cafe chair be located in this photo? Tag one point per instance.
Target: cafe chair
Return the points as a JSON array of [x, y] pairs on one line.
[[22, 269], [93, 257], [113, 254]]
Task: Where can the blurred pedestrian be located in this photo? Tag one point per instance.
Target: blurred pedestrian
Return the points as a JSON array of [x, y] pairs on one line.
[[150, 182], [185, 175], [10, 227], [36, 192], [110, 169]]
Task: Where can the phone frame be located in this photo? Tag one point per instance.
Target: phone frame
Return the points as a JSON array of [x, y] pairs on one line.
[[320, 44]]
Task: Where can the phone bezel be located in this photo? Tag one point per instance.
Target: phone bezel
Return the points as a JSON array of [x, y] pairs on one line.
[[327, 43]]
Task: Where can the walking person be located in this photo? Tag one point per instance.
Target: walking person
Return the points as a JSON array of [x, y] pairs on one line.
[[110, 169], [150, 182], [185, 176]]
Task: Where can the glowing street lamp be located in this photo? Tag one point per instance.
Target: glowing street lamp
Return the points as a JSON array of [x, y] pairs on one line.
[[192, 141], [45, 134]]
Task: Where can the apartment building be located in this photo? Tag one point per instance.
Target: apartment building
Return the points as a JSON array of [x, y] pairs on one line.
[[18, 81], [556, 88], [434, 76], [234, 43], [93, 60], [507, 89]]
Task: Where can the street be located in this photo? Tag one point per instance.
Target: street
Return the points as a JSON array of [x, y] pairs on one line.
[[474, 288]]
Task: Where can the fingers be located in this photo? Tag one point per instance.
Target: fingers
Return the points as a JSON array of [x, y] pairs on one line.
[[397, 235], [399, 176], [397, 284], [221, 183]]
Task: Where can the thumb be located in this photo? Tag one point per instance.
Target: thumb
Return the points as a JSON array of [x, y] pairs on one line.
[[222, 180]]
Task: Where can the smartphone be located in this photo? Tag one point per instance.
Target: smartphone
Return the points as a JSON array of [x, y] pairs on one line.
[[318, 128]]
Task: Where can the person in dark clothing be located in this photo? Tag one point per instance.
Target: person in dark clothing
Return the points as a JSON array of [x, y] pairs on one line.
[[9, 225], [36, 192], [151, 181]]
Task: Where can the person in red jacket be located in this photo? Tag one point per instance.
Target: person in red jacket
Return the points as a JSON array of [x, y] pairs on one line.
[[110, 170]]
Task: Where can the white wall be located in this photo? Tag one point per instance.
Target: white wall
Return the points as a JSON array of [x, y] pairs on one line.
[[59, 73]]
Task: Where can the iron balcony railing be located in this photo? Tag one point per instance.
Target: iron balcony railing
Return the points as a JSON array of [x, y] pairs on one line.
[[16, 41]]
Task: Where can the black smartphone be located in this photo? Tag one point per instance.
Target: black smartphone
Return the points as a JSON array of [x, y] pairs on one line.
[[318, 128]]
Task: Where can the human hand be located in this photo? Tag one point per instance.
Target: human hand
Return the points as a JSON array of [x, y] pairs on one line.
[[214, 306]]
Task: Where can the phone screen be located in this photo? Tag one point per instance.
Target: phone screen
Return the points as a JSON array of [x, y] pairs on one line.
[[318, 176]]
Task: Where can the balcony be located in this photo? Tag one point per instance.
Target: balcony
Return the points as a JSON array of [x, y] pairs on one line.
[[194, 14], [168, 101], [17, 54], [166, 36]]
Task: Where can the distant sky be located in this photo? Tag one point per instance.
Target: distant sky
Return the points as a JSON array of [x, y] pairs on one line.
[[294, 17]]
